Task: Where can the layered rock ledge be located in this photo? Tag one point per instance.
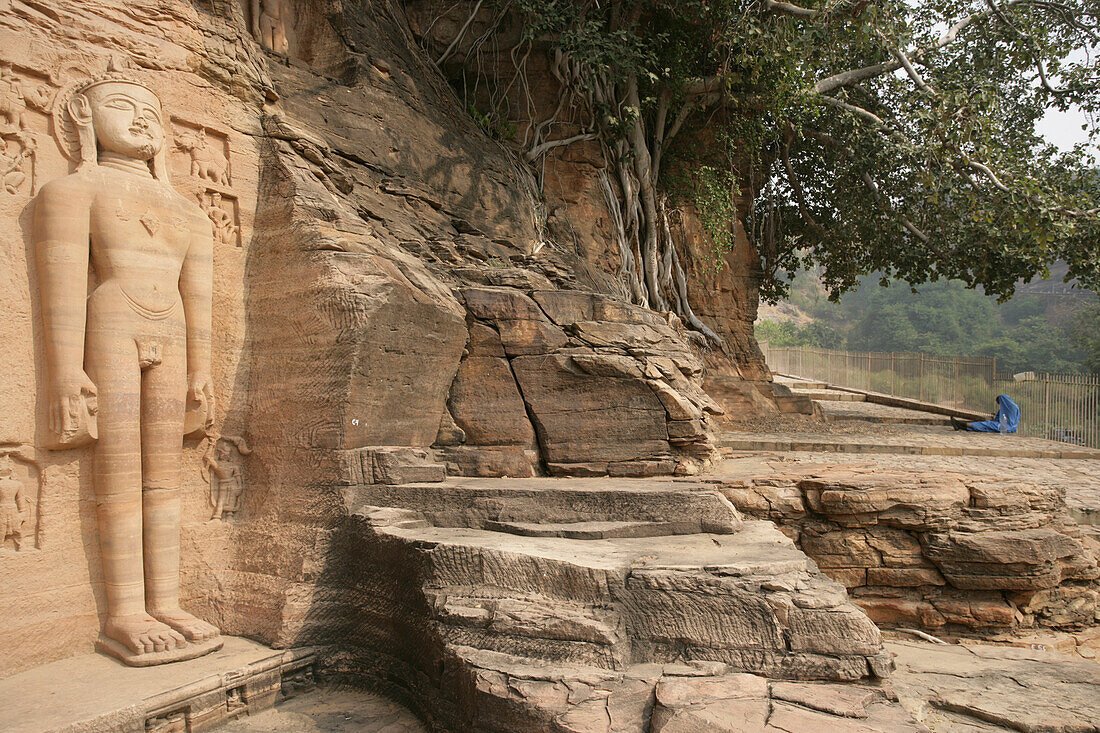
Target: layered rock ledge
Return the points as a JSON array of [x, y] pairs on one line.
[[934, 549]]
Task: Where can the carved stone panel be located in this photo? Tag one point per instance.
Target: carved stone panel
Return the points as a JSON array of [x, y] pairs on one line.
[[25, 96], [204, 153], [201, 163], [20, 481]]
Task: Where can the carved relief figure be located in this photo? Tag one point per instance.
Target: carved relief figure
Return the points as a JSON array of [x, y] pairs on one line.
[[206, 162], [143, 335], [14, 99], [12, 155], [13, 505], [225, 231], [223, 472], [17, 145], [269, 19]]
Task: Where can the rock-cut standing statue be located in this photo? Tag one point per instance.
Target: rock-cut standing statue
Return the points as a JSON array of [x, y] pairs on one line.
[[127, 358], [269, 19]]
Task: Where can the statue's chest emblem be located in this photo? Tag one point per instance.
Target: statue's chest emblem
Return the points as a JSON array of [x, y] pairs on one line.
[[149, 220]]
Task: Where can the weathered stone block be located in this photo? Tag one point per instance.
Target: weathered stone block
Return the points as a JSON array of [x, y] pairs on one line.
[[402, 466], [587, 418], [523, 327], [904, 577], [487, 405], [497, 461]]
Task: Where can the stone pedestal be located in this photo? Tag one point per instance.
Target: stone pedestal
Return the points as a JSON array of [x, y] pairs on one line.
[[91, 692]]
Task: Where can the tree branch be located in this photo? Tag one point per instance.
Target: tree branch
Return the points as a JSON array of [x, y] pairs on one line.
[[854, 76], [460, 34], [906, 64], [1000, 186], [906, 224], [785, 8], [549, 145]]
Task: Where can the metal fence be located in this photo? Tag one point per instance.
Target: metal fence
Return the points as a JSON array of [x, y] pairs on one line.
[[1063, 407]]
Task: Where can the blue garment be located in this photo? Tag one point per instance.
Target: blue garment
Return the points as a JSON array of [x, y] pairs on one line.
[[1005, 406]]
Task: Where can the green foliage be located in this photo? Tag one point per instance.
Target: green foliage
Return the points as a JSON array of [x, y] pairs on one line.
[[713, 191], [1086, 334], [877, 174], [493, 123], [785, 333], [1027, 333]]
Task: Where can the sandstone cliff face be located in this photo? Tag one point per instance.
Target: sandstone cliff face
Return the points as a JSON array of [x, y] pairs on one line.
[[722, 287], [370, 241]]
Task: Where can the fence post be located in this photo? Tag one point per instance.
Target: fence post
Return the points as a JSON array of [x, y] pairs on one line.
[[1046, 409], [920, 386], [893, 375], [955, 391]]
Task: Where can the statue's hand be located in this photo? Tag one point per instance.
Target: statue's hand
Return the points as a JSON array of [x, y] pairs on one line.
[[73, 406], [200, 403]]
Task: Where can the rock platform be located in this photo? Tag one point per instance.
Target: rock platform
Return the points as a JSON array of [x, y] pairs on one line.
[[986, 688], [615, 572], [91, 692], [543, 604]]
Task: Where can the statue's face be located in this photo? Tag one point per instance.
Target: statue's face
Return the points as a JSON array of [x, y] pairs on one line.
[[127, 119]]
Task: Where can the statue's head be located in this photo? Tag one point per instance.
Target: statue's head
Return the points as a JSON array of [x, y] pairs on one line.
[[216, 198], [6, 468], [125, 118], [114, 112]]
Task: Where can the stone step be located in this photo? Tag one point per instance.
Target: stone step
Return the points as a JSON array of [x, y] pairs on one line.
[[591, 530], [801, 383], [750, 600], [687, 697], [964, 444], [884, 419], [462, 502], [824, 395]]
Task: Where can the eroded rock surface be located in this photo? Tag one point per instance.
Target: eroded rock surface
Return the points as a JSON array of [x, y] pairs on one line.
[[550, 604], [935, 549], [978, 688], [595, 385]]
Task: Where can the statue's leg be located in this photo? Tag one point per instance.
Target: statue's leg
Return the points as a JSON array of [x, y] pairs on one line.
[[164, 390], [111, 360], [279, 39]]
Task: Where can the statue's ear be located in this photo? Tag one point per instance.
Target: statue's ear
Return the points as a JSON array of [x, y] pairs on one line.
[[80, 110]]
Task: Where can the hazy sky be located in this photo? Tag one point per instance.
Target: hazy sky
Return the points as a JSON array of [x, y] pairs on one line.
[[1064, 128]]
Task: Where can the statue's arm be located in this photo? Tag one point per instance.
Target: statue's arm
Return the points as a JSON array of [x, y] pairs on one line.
[[196, 290], [61, 245], [255, 7]]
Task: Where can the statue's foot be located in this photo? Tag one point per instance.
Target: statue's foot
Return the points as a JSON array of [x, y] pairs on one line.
[[193, 629], [140, 633]]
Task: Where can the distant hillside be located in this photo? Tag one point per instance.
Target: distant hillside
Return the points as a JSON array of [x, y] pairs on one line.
[[1042, 328]]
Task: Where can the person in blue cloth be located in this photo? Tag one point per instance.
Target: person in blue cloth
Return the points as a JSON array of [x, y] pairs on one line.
[[1006, 409]]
